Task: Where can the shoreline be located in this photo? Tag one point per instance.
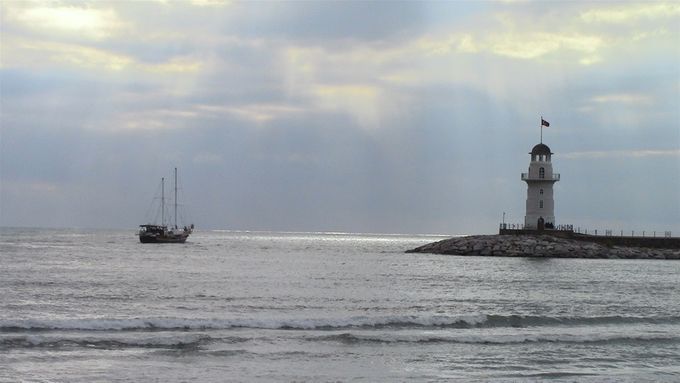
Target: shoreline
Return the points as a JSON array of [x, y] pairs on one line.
[[540, 246]]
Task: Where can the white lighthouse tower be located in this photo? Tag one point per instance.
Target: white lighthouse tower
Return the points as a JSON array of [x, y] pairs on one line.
[[540, 179]]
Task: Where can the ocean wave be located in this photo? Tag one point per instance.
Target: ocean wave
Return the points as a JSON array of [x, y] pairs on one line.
[[539, 321], [160, 324], [196, 342], [389, 321], [500, 339], [184, 342]]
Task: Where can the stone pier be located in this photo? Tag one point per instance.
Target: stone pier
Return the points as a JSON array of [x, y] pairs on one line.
[[546, 246]]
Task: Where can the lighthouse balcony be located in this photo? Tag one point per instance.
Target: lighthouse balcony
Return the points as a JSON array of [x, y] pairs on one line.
[[553, 177]]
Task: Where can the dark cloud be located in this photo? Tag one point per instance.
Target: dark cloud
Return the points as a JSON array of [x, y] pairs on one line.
[[314, 21]]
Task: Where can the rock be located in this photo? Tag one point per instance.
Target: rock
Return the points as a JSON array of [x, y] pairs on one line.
[[539, 246]]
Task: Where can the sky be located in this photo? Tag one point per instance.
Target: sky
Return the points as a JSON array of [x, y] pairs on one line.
[[377, 117]]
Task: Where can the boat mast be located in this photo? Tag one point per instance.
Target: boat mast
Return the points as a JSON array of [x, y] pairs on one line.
[[162, 201], [175, 198]]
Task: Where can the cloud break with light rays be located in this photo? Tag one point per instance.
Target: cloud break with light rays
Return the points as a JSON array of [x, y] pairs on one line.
[[341, 116]]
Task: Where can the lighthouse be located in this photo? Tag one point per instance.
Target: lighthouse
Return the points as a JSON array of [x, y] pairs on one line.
[[540, 209]]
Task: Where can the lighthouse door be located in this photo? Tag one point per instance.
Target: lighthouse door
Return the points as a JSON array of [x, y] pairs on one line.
[[541, 223]]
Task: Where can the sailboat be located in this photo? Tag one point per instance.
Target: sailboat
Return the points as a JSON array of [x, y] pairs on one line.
[[154, 233]]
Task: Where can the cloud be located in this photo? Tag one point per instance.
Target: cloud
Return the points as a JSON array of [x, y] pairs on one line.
[[359, 100], [632, 12], [195, 116], [176, 65], [526, 31], [19, 52], [534, 45], [85, 22], [637, 153], [256, 113], [323, 22], [454, 43], [211, 3], [623, 98]]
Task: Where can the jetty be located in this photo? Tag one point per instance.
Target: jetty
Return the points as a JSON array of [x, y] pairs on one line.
[[556, 244]]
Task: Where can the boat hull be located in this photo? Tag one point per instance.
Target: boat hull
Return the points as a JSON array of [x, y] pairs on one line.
[[160, 234], [162, 239]]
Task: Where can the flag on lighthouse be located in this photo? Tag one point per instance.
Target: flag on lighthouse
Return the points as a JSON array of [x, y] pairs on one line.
[[544, 122]]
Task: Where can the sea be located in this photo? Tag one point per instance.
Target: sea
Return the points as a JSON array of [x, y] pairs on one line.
[[229, 306]]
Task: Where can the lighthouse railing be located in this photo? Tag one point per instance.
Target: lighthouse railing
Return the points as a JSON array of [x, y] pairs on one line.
[[553, 177], [519, 228], [625, 233]]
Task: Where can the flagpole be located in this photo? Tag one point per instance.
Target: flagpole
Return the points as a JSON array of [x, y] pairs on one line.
[[541, 129]]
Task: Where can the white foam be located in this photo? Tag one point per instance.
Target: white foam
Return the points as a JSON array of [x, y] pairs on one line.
[[503, 338], [103, 324]]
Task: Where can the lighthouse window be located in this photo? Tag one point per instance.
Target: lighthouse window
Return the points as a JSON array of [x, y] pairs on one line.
[[540, 192], [541, 173], [540, 204]]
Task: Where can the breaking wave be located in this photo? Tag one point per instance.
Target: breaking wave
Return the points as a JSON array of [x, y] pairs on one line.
[[186, 342], [160, 324], [390, 321], [349, 338]]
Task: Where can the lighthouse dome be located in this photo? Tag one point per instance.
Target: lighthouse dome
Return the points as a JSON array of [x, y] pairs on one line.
[[541, 149]]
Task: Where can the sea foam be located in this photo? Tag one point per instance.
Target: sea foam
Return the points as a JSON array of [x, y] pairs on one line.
[[392, 321]]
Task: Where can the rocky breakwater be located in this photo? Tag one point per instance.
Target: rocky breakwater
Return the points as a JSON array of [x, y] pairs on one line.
[[545, 246]]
